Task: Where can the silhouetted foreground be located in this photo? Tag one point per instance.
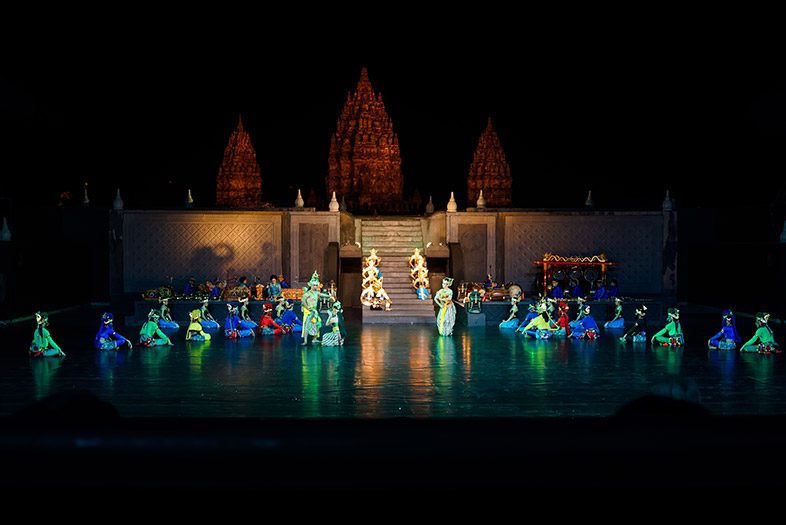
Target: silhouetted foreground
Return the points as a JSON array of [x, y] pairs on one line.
[[76, 441]]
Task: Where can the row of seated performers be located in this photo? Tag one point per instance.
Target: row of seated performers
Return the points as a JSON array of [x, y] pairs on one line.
[[151, 333], [270, 290], [542, 322], [575, 290]]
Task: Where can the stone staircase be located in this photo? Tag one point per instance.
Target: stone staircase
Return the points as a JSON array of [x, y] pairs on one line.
[[395, 240]]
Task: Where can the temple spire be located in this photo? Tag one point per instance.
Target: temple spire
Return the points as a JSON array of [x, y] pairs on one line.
[[364, 164], [239, 182], [490, 171]]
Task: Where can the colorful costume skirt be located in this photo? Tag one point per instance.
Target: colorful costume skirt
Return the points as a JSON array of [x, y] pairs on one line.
[[168, 325], [640, 337], [446, 318], [617, 324], [147, 342], [674, 341], [512, 324], [36, 351], [589, 335], [246, 325], [209, 325], [769, 348], [727, 344], [332, 339], [236, 334], [107, 344]]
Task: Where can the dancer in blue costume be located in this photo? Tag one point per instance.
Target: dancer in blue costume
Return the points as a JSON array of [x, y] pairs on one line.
[[638, 332], [165, 321], [490, 282], [43, 345], [190, 287], [671, 335], [763, 341], [208, 322], [195, 330], [289, 320], [232, 328], [512, 321], [617, 322], [556, 290], [586, 328], [532, 313], [246, 323], [107, 338], [575, 289], [600, 291], [150, 334], [215, 291], [728, 338]]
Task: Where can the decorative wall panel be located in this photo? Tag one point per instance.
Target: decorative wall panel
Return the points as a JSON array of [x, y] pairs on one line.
[[635, 240], [158, 245]]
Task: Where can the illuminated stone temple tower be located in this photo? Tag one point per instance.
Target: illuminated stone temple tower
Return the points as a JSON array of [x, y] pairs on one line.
[[490, 172], [239, 183], [364, 165]]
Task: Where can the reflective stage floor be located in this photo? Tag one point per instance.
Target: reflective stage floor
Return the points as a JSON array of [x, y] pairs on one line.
[[387, 371]]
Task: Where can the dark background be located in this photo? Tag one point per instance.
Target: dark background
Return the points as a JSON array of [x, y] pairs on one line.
[[628, 110]]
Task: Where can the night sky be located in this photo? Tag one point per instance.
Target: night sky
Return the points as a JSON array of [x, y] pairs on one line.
[[624, 114]]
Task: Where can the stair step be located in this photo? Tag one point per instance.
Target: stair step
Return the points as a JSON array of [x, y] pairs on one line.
[[416, 230], [393, 253], [399, 312], [398, 320], [392, 222], [366, 245]]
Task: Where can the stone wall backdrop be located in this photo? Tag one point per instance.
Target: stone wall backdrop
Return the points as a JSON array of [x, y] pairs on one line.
[[205, 244], [633, 239]]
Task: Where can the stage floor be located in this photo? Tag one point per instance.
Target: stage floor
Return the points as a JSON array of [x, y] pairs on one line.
[[387, 371]]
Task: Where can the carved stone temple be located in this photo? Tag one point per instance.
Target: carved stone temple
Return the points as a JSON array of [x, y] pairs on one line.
[[490, 172], [239, 183], [364, 165]]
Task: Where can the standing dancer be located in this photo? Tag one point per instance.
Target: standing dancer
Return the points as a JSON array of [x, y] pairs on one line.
[[446, 317]]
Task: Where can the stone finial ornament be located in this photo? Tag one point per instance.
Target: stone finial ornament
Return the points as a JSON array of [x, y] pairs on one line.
[[481, 202], [117, 204], [668, 204], [589, 203], [452, 206], [430, 205]]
